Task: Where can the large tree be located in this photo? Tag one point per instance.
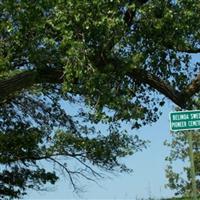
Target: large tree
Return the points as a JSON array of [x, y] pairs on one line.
[[121, 60]]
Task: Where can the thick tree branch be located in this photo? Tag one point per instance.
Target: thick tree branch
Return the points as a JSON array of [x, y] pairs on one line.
[[189, 50], [24, 80], [158, 84], [10, 86], [179, 98], [184, 49], [130, 13], [191, 89]]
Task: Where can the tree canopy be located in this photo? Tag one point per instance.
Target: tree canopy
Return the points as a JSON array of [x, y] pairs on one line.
[[118, 60]]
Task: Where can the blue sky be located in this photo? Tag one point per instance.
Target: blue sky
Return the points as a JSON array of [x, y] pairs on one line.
[[147, 180]]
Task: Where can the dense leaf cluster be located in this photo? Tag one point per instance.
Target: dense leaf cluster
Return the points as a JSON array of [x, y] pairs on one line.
[[115, 59]]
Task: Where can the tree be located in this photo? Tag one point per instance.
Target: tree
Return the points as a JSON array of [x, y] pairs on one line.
[[120, 59], [180, 181]]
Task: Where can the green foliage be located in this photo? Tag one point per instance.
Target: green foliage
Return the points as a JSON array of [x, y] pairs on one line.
[[38, 129], [108, 66], [180, 181], [16, 180]]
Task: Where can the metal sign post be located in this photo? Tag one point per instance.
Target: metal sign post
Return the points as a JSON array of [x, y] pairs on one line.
[[193, 174], [187, 120]]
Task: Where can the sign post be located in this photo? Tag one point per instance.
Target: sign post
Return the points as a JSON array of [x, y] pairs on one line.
[[187, 120], [193, 174]]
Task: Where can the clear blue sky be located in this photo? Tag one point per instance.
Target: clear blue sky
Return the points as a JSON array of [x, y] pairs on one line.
[[147, 180]]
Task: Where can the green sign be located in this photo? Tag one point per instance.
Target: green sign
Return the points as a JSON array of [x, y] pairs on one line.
[[185, 120]]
